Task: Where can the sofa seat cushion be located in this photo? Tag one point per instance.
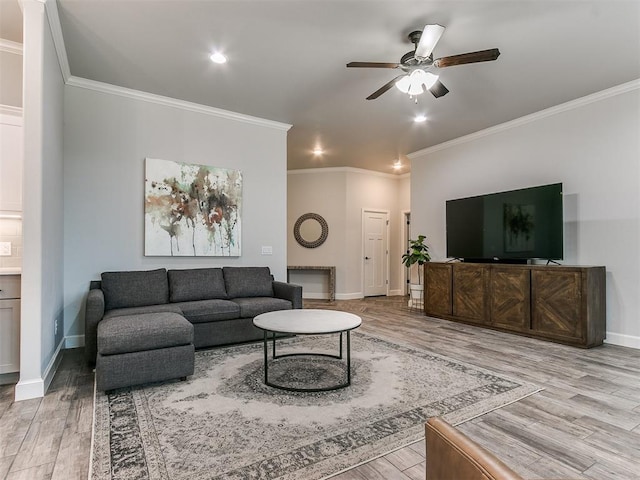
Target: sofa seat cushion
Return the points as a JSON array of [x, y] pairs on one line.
[[135, 289], [250, 307], [209, 310], [248, 281], [166, 308], [196, 284], [146, 331]]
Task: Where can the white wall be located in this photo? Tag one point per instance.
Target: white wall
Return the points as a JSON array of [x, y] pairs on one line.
[[107, 137], [340, 195], [10, 73], [592, 146], [42, 266], [324, 193], [368, 190]]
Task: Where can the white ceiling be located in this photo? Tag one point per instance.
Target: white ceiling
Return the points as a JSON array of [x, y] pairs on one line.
[[287, 63]]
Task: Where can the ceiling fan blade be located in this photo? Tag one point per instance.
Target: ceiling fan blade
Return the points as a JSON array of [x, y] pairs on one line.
[[372, 65], [438, 89], [471, 57], [430, 36], [384, 88]]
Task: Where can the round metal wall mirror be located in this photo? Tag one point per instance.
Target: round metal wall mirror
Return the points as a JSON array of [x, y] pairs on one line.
[[311, 230]]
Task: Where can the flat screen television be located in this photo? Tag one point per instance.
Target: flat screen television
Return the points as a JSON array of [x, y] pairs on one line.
[[510, 227]]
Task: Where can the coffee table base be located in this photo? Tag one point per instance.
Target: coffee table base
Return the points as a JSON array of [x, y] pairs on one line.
[[308, 354]]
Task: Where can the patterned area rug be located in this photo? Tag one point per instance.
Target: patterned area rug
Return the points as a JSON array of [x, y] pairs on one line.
[[224, 423]]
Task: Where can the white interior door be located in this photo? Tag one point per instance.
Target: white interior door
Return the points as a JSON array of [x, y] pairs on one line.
[[375, 226]]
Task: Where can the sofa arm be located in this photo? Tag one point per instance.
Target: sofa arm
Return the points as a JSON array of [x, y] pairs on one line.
[[451, 454], [93, 313], [288, 291]]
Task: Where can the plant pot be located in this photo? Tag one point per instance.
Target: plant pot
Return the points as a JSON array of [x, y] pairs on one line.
[[416, 295]]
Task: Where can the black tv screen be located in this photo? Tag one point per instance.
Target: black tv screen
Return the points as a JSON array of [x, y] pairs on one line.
[[515, 225]]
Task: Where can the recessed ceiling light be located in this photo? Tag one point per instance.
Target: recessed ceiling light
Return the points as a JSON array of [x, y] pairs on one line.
[[318, 151], [420, 118], [217, 57], [397, 165]]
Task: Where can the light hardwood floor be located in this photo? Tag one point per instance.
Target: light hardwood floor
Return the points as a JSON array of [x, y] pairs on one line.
[[585, 424]]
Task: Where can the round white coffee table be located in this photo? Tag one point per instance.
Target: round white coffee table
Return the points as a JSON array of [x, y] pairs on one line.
[[306, 322]]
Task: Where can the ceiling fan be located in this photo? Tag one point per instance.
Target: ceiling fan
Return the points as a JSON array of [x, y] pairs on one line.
[[416, 64]]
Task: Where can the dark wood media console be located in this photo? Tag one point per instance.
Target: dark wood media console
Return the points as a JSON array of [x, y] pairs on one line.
[[558, 303]]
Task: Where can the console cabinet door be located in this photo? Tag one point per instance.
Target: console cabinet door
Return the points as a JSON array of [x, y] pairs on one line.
[[470, 292], [557, 303], [510, 302], [437, 292]]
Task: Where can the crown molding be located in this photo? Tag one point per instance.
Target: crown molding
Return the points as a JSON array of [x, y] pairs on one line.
[[172, 102], [563, 107], [51, 7], [8, 46], [304, 171]]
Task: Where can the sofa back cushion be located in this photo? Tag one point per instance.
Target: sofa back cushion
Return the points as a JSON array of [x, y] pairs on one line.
[[135, 289], [248, 282], [196, 284]]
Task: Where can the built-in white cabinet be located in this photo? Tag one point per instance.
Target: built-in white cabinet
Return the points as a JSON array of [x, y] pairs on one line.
[[9, 324], [11, 161]]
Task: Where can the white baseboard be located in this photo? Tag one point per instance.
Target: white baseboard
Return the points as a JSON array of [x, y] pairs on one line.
[[37, 387], [27, 389], [74, 341], [343, 296], [51, 369], [349, 296], [325, 296], [622, 340], [315, 296]]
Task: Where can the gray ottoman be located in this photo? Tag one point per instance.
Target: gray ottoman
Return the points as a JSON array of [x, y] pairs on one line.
[[143, 348]]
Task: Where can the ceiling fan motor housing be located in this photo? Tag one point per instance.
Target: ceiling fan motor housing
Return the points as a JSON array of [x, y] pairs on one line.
[[414, 37], [409, 58]]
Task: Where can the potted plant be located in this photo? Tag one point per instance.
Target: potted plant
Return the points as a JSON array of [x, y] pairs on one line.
[[418, 254]]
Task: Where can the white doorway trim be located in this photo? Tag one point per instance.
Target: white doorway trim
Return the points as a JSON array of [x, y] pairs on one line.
[[406, 235]]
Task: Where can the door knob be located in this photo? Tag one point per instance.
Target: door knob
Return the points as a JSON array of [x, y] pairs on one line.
[[366, 258]]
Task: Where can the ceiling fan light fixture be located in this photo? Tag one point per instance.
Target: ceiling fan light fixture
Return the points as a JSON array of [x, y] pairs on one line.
[[429, 80], [415, 89], [403, 84], [416, 82]]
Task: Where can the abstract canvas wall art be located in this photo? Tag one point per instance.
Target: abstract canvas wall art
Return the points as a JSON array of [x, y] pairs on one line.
[[191, 210]]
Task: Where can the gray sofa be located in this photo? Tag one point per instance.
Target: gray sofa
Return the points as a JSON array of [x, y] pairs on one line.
[[143, 326]]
